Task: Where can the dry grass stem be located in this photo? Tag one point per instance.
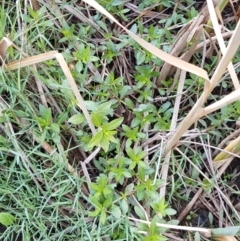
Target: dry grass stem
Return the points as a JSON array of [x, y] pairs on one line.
[[189, 206], [197, 111], [232, 147], [221, 42], [109, 156], [152, 49], [210, 181], [230, 137], [165, 165], [205, 231], [179, 44]]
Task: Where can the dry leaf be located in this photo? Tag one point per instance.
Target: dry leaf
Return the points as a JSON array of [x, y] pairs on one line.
[[4, 44], [225, 238]]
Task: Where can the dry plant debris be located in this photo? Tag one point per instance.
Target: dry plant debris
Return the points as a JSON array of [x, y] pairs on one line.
[[115, 125]]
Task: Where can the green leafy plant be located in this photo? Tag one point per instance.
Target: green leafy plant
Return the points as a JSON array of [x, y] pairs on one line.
[[155, 232], [102, 198], [191, 215], [162, 208], [46, 124], [105, 135], [42, 121], [6, 219], [119, 169], [136, 157]]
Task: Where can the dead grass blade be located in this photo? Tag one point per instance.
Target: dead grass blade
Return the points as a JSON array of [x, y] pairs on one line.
[[213, 39], [51, 55], [227, 56], [38, 59], [152, 49], [4, 44], [221, 42], [226, 199], [230, 98], [205, 231], [182, 39], [35, 4], [227, 238], [165, 166], [30, 60], [189, 206], [75, 90], [233, 146], [197, 111]]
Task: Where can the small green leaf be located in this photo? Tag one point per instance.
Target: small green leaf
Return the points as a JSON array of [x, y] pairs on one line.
[[197, 237], [107, 203], [116, 212], [93, 58], [62, 117], [135, 122], [229, 231], [113, 139], [46, 113], [126, 90], [102, 25], [105, 108], [139, 212], [56, 138], [103, 216], [129, 103], [126, 128], [114, 124], [6, 219], [94, 186], [97, 118], [105, 144], [127, 174], [170, 211], [95, 202], [124, 206], [94, 213], [129, 188], [55, 128], [164, 107], [107, 192], [79, 66], [96, 140], [77, 119], [140, 57]]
